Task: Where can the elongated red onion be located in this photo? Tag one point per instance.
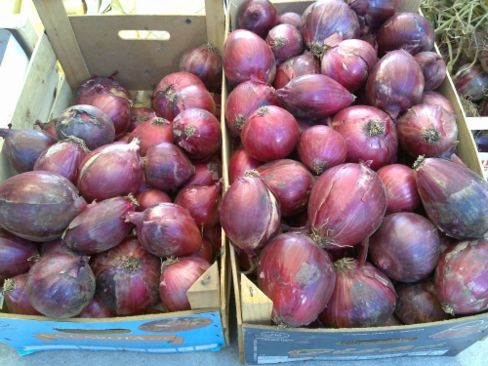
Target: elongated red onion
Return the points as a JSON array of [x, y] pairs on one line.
[[22, 147], [16, 296], [434, 98], [400, 187], [285, 41], [151, 197], [406, 247], [270, 133], [346, 205], [349, 63], [461, 278], [152, 132], [290, 18], [249, 213], [205, 174], [296, 66], [177, 276], [179, 91], [205, 62], [396, 83], [290, 182], [38, 205], [258, 16], [417, 303], [370, 135], [375, 12], [60, 285], [166, 230], [433, 67], [127, 278], [16, 255], [240, 162], [297, 276], [314, 96], [110, 171], [139, 115], [202, 202], [167, 167], [363, 296], [471, 82], [458, 205], [248, 57], [96, 309], [408, 31], [205, 252]]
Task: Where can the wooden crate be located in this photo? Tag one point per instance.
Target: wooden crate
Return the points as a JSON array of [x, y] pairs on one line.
[[261, 342], [71, 50]]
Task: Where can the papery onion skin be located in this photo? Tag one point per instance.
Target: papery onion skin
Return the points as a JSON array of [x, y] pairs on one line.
[[400, 187], [205, 62], [205, 174], [471, 82], [16, 255], [285, 41], [363, 296], [290, 18], [346, 205], [434, 98], [258, 16], [296, 66], [240, 162], [461, 278], [406, 247], [202, 202], [139, 115], [151, 133], [433, 67], [297, 276], [96, 309], [16, 296], [151, 197], [38, 205]]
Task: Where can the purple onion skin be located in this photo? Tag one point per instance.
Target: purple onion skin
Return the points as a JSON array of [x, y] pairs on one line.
[[285, 41], [206, 63], [56, 246], [294, 67], [96, 309], [22, 147], [433, 68], [434, 98], [38, 205], [60, 285], [16, 255], [16, 296], [374, 12], [290, 18], [258, 16], [471, 83]]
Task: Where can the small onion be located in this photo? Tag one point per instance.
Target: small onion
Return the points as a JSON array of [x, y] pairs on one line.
[[258, 16], [400, 187], [285, 41], [96, 309], [205, 174], [433, 67], [434, 98], [202, 202], [240, 163], [139, 115], [471, 82], [204, 62], [16, 296], [152, 132], [16, 255], [296, 66], [290, 18], [151, 197]]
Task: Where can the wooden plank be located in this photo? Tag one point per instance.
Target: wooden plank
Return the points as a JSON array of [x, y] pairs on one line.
[[215, 23], [63, 40], [204, 293], [22, 29], [256, 306], [477, 123], [63, 99]]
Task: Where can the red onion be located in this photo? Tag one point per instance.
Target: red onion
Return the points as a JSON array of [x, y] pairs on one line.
[[427, 130], [471, 82], [296, 66], [197, 132], [205, 252], [434, 98], [49, 128], [244, 100], [16, 255], [202, 202], [408, 31], [290, 182], [205, 174], [167, 167], [60, 285], [396, 83], [177, 276], [326, 18], [56, 246], [321, 147], [16, 296], [349, 63], [139, 115], [204, 62], [290, 18], [111, 170], [391, 321], [433, 67], [179, 91], [249, 213], [484, 108], [370, 135], [270, 133], [152, 132], [461, 278], [455, 198], [151, 197], [214, 235], [297, 276], [218, 104], [258, 16], [375, 12], [127, 278], [22, 147], [167, 230], [110, 97], [400, 187], [406, 247], [38, 205], [240, 162], [314, 96], [346, 205], [363, 296], [96, 309], [285, 41], [417, 303], [248, 57]]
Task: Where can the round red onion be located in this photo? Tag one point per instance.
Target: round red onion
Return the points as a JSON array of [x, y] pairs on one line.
[[270, 133], [346, 205], [461, 278], [297, 276], [205, 174], [204, 62], [16, 255], [60, 285], [38, 205], [433, 67], [375, 12], [240, 162], [167, 167], [16, 296], [285, 41], [320, 148], [290, 18], [258, 16], [24, 146], [96, 309], [127, 278], [363, 296], [396, 83], [202, 202], [167, 230], [248, 57], [408, 31], [370, 135], [249, 213], [400, 187], [152, 132], [434, 98], [290, 182], [471, 82], [151, 197], [296, 66], [205, 252], [177, 276], [139, 115]]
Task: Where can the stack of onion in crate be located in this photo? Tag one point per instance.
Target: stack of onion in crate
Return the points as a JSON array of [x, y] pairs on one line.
[[114, 210], [329, 111]]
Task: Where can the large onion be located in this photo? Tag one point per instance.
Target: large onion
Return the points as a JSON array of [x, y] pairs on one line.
[[240, 162], [400, 187], [152, 132], [433, 67], [285, 41], [16, 296], [16, 255], [296, 66], [202, 202], [205, 62]]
